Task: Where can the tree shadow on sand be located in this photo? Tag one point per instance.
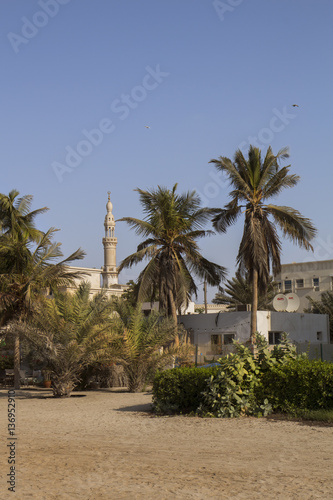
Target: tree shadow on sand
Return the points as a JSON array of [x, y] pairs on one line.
[[142, 408], [33, 394]]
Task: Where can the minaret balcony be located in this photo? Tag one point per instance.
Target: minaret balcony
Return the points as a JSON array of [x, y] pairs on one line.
[[109, 239]]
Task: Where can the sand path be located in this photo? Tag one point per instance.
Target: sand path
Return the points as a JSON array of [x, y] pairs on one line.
[[105, 445]]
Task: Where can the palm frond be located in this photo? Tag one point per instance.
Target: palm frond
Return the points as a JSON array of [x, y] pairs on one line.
[[293, 224]]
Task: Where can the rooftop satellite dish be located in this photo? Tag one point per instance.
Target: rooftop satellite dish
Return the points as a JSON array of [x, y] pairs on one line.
[[280, 302], [293, 302]]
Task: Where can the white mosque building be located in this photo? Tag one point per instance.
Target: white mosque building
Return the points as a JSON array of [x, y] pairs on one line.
[[105, 278]]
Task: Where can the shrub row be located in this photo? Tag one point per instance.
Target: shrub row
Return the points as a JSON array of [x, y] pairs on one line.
[[299, 384], [244, 384], [179, 390]]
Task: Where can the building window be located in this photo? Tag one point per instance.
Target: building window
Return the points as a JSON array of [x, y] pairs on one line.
[[287, 285], [274, 338], [216, 344], [228, 338], [300, 283], [320, 336], [315, 283], [218, 340]]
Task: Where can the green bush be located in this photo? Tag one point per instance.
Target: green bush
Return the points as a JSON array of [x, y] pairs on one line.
[[179, 390], [6, 361], [299, 384], [248, 384], [231, 392]]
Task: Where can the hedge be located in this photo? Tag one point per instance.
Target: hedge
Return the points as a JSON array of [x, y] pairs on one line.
[[178, 390], [299, 384]]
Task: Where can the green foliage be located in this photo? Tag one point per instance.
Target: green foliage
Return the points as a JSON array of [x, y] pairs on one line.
[[231, 392], [231, 389], [70, 332], [143, 343], [26, 264], [172, 225], [299, 384], [239, 291], [180, 390], [6, 361], [315, 415], [254, 181]]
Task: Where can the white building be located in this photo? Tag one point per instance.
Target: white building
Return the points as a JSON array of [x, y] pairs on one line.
[[214, 333]]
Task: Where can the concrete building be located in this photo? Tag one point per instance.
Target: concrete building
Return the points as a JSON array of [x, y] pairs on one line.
[[306, 278], [214, 333]]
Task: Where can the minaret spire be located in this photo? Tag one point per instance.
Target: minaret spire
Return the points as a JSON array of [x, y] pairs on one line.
[[110, 274]]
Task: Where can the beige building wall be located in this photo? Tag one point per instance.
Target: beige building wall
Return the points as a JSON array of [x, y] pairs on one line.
[[306, 278], [94, 278]]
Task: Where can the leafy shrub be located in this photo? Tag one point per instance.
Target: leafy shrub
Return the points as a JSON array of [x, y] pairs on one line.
[[299, 384], [179, 390], [248, 384], [231, 393], [6, 361]]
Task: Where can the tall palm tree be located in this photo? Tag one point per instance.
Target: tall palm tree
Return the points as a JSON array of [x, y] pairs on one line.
[[238, 291], [26, 265], [171, 227], [254, 181]]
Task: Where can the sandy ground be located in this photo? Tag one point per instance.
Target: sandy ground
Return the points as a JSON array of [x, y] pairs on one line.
[[106, 445]]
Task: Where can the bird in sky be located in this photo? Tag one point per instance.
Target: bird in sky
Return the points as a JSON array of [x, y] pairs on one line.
[[147, 126], [295, 106]]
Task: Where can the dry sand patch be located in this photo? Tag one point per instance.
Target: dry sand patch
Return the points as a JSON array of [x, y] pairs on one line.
[[106, 445]]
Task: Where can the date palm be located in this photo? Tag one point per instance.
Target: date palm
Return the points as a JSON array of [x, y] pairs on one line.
[[69, 333], [141, 347], [171, 227], [26, 264], [255, 180], [238, 291], [16, 219]]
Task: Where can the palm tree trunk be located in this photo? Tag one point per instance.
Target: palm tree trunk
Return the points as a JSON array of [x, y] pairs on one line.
[[17, 361], [254, 306], [173, 314]]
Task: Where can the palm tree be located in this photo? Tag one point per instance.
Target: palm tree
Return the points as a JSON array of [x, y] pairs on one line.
[[26, 268], [238, 291], [172, 225], [254, 181], [16, 217], [141, 346], [70, 332]]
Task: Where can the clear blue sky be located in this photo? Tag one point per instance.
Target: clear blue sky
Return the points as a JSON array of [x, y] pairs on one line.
[[206, 77]]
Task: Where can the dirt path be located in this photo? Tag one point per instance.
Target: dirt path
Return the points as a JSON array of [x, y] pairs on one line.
[[105, 445]]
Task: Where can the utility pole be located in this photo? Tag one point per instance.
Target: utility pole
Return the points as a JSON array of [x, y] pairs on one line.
[[205, 295]]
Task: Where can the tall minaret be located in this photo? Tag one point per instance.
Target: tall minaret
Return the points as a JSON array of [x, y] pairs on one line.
[[109, 273]]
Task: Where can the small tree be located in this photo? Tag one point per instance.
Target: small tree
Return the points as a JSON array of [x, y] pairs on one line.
[[143, 344], [70, 332], [238, 291]]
